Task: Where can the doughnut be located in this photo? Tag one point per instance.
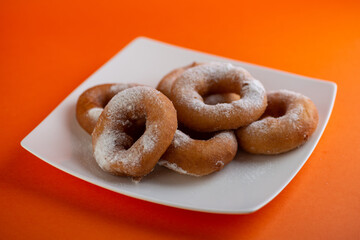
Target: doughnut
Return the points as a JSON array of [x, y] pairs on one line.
[[92, 102], [195, 155], [166, 82], [289, 120], [189, 88], [118, 145]]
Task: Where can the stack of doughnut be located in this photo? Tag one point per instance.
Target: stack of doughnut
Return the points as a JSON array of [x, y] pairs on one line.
[[193, 122]]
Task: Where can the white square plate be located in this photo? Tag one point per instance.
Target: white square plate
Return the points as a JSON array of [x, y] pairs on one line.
[[245, 185]]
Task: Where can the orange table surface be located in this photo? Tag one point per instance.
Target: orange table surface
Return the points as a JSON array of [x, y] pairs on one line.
[[47, 48]]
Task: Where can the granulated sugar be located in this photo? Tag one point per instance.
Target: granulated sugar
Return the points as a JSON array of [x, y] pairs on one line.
[[180, 139], [175, 167], [94, 113]]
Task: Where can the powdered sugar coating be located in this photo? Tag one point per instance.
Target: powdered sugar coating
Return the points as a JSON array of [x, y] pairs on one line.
[[180, 139], [224, 136], [276, 134], [196, 157], [107, 146], [110, 141], [115, 150], [292, 116], [116, 88], [167, 81], [91, 103], [220, 164], [201, 80], [94, 113], [176, 168], [150, 139], [251, 99]]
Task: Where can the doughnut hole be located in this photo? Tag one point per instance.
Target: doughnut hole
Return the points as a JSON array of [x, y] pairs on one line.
[[214, 99], [219, 86], [276, 108], [135, 129], [220, 91]]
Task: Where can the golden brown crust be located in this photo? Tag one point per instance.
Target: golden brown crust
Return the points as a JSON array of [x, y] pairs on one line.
[[199, 157], [91, 103], [115, 147], [167, 81], [289, 120]]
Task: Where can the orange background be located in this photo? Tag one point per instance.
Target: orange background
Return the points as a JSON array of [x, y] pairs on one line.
[[47, 48]]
